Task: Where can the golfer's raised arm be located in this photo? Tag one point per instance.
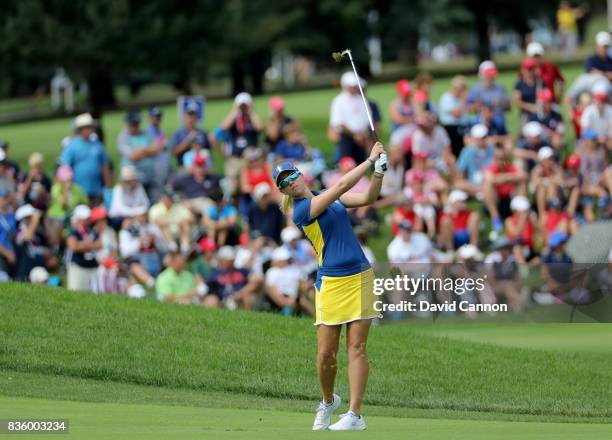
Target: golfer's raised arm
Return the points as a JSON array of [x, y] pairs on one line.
[[320, 202]]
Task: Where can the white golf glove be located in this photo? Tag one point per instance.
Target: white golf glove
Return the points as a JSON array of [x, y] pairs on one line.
[[381, 164]]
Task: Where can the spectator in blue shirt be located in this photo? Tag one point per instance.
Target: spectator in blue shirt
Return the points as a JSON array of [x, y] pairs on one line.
[[154, 130], [474, 158], [488, 92], [292, 147], [87, 157], [139, 150], [600, 62], [183, 137], [8, 226], [221, 220]]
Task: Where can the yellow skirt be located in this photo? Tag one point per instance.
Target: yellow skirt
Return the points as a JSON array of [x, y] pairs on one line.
[[345, 299]]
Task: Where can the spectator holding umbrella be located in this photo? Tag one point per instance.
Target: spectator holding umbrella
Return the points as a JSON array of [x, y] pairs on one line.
[[83, 242], [86, 156]]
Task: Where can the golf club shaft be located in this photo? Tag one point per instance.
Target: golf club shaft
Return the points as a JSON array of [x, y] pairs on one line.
[[365, 102]]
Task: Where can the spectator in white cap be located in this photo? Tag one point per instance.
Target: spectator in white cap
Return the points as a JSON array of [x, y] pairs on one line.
[[87, 157], [242, 126], [548, 71], [488, 92], [530, 144], [129, 196], [264, 215], [348, 121], [39, 275], [600, 62], [141, 245], [301, 251], [283, 284], [474, 158], [546, 177], [597, 116], [83, 242], [521, 228], [459, 225], [31, 242]]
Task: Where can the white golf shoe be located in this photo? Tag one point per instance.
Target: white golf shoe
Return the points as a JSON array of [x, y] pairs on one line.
[[349, 422], [324, 412]]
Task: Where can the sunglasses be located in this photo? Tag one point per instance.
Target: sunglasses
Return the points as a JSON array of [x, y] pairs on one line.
[[291, 177]]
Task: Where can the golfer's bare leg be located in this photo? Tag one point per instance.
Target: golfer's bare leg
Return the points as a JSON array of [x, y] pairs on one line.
[[328, 338], [358, 365]]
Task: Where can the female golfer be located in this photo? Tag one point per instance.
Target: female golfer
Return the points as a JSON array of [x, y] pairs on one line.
[[344, 284]]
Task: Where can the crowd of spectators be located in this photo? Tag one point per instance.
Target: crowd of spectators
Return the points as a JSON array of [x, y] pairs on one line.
[[460, 187]]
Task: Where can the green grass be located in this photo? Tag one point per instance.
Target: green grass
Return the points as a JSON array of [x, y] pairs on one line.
[[138, 421], [146, 343]]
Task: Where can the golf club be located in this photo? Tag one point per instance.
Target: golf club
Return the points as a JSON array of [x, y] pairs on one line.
[[337, 56]]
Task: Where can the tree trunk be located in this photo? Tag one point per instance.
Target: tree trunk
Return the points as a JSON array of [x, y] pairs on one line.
[[258, 69], [482, 34], [237, 77], [101, 91], [409, 49]]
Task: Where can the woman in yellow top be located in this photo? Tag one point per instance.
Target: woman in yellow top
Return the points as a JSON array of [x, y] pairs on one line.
[[567, 21], [344, 284]]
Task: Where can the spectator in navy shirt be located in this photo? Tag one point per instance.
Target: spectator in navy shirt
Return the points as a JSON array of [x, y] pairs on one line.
[[154, 130], [526, 89], [197, 187], [292, 147], [600, 62], [242, 127], [183, 137], [550, 119], [83, 242], [264, 215]]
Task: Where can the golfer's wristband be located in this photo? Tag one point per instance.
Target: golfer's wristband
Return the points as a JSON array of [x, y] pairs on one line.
[[378, 175], [372, 161]]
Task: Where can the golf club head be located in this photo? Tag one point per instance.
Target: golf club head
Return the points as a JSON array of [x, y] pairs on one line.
[[337, 56]]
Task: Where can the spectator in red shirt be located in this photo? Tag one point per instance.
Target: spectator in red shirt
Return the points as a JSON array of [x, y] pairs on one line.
[[521, 228], [546, 178], [556, 219], [549, 72], [501, 181], [459, 226]]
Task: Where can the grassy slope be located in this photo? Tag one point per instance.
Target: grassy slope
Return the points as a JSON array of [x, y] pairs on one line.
[[109, 338]]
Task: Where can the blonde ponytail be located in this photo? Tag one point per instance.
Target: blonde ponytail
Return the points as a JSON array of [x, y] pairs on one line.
[[286, 204]]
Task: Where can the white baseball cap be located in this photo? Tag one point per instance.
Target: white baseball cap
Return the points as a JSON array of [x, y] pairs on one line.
[[260, 190], [535, 49], [457, 195], [128, 173], [545, 153], [602, 38], [289, 234], [83, 120], [81, 212], [39, 275], [600, 88], [281, 254], [519, 203], [136, 291], [532, 129], [348, 80], [469, 251], [24, 211], [243, 98], [479, 131], [226, 253]]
